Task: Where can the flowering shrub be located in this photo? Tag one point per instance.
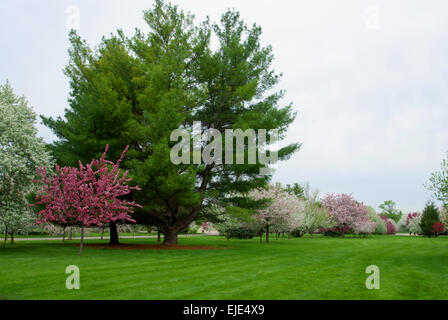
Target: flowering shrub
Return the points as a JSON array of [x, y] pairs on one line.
[[380, 225], [413, 223], [438, 228], [390, 225], [364, 227]]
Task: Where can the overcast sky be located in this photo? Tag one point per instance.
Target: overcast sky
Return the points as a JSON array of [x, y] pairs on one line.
[[369, 80]]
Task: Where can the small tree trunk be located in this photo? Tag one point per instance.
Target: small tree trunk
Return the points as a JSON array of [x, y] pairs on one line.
[[276, 235], [81, 244], [12, 237], [267, 234], [113, 233], [170, 236], [261, 236], [158, 234], [63, 235], [71, 233], [312, 234], [102, 233]]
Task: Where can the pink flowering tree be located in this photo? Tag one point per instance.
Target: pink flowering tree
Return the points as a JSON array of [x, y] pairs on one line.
[[346, 213], [390, 224], [86, 196], [279, 213]]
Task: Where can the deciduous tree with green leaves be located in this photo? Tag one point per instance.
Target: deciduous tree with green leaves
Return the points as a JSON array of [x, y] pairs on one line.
[[438, 183], [389, 210]]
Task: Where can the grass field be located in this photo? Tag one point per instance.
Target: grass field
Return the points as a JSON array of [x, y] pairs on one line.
[[320, 268]]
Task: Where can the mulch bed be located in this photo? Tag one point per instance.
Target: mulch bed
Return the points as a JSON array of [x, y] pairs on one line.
[[149, 247]]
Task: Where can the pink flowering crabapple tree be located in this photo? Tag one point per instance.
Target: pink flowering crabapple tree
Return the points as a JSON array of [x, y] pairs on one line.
[[347, 213], [85, 196]]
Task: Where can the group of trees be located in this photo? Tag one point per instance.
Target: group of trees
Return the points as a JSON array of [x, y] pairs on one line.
[[134, 91], [298, 210], [130, 93]]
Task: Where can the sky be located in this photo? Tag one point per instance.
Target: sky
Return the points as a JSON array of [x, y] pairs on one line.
[[368, 79]]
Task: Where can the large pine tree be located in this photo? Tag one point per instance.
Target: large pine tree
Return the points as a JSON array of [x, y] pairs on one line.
[[137, 90]]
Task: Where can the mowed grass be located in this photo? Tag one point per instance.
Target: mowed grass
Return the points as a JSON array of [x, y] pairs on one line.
[[319, 268]]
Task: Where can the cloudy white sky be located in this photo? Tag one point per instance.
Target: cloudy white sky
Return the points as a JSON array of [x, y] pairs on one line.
[[368, 78]]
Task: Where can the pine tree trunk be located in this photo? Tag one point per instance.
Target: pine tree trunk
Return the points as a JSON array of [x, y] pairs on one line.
[[170, 236], [81, 244], [267, 234], [113, 233]]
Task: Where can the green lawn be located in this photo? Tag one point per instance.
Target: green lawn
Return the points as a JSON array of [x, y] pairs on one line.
[[320, 268]]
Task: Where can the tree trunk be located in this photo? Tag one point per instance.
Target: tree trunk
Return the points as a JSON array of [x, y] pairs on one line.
[[102, 233], [12, 237], [158, 234], [63, 235], [113, 233], [311, 234], [170, 236], [261, 236], [81, 244], [267, 234], [71, 233], [276, 235]]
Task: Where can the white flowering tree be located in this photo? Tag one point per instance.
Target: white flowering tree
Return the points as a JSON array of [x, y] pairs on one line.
[[313, 216], [21, 153], [410, 223], [280, 210]]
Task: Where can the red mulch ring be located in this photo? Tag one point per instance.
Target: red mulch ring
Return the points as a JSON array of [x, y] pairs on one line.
[[149, 247]]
